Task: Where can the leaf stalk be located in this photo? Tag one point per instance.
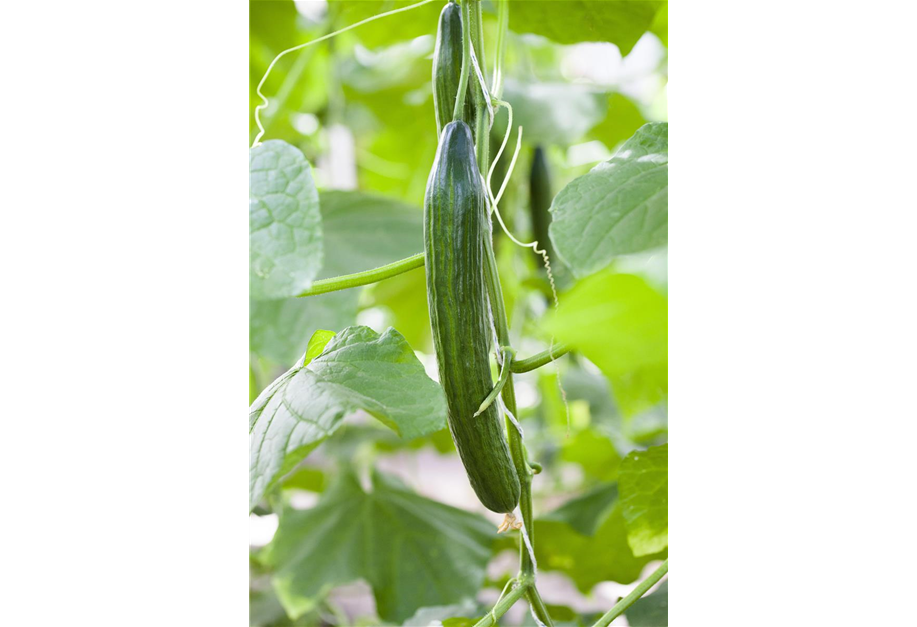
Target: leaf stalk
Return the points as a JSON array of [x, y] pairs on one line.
[[365, 277]]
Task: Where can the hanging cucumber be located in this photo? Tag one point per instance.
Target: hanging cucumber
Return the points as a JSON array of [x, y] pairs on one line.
[[540, 198], [447, 67], [454, 230]]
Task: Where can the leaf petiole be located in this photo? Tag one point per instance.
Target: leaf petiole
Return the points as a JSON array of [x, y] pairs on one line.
[[504, 604], [540, 359], [365, 277], [504, 377]]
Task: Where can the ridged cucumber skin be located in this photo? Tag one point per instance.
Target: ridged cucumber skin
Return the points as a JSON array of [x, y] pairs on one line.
[[447, 68], [454, 230]]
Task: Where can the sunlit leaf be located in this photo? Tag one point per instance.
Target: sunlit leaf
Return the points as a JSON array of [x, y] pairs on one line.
[[619, 207], [622, 22], [644, 485], [621, 324], [285, 226], [358, 369]]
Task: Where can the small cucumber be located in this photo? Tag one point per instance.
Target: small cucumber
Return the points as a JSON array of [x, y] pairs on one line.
[[454, 230], [540, 198], [447, 68]]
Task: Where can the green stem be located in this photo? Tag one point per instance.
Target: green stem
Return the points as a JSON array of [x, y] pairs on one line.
[[482, 125], [622, 605], [498, 309], [534, 599], [504, 604], [540, 359], [466, 65], [366, 277], [504, 377]]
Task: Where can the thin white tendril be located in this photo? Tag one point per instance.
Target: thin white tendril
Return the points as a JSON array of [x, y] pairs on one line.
[[527, 541], [509, 128], [512, 418], [495, 209], [525, 534], [264, 101], [537, 620]]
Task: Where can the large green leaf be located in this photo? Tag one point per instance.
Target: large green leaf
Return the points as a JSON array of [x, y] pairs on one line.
[[644, 484], [620, 206], [551, 113], [285, 229], [358, 369], [622, 22], [589, 560], [361, 231], [620, 323], [414, 552]]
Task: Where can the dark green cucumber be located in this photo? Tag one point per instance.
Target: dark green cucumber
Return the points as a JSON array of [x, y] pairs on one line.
[[447, 68], [454, 230], [540, 198]]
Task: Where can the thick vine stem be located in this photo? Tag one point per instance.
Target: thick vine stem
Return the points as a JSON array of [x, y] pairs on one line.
[[516, 445], [622, 605], [526, 576], [482, 123], [466, 66], [538, 607], [505, 603], [540, 359], [366, 277]]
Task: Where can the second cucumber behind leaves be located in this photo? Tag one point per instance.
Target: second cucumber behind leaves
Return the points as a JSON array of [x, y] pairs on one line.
[[454, 230]]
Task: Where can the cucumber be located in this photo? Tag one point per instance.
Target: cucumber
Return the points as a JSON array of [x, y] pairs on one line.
[[540, 200], [447, 68], [454, 230]]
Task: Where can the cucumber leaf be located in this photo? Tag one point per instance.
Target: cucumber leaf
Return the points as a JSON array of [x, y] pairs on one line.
[[621, 206], [357, 370], [620, 323], [621, 22], [644, 485], [412, 551], [285, 226]]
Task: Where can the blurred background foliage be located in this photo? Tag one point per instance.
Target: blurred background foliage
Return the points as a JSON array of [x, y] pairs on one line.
[[582, 78]]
